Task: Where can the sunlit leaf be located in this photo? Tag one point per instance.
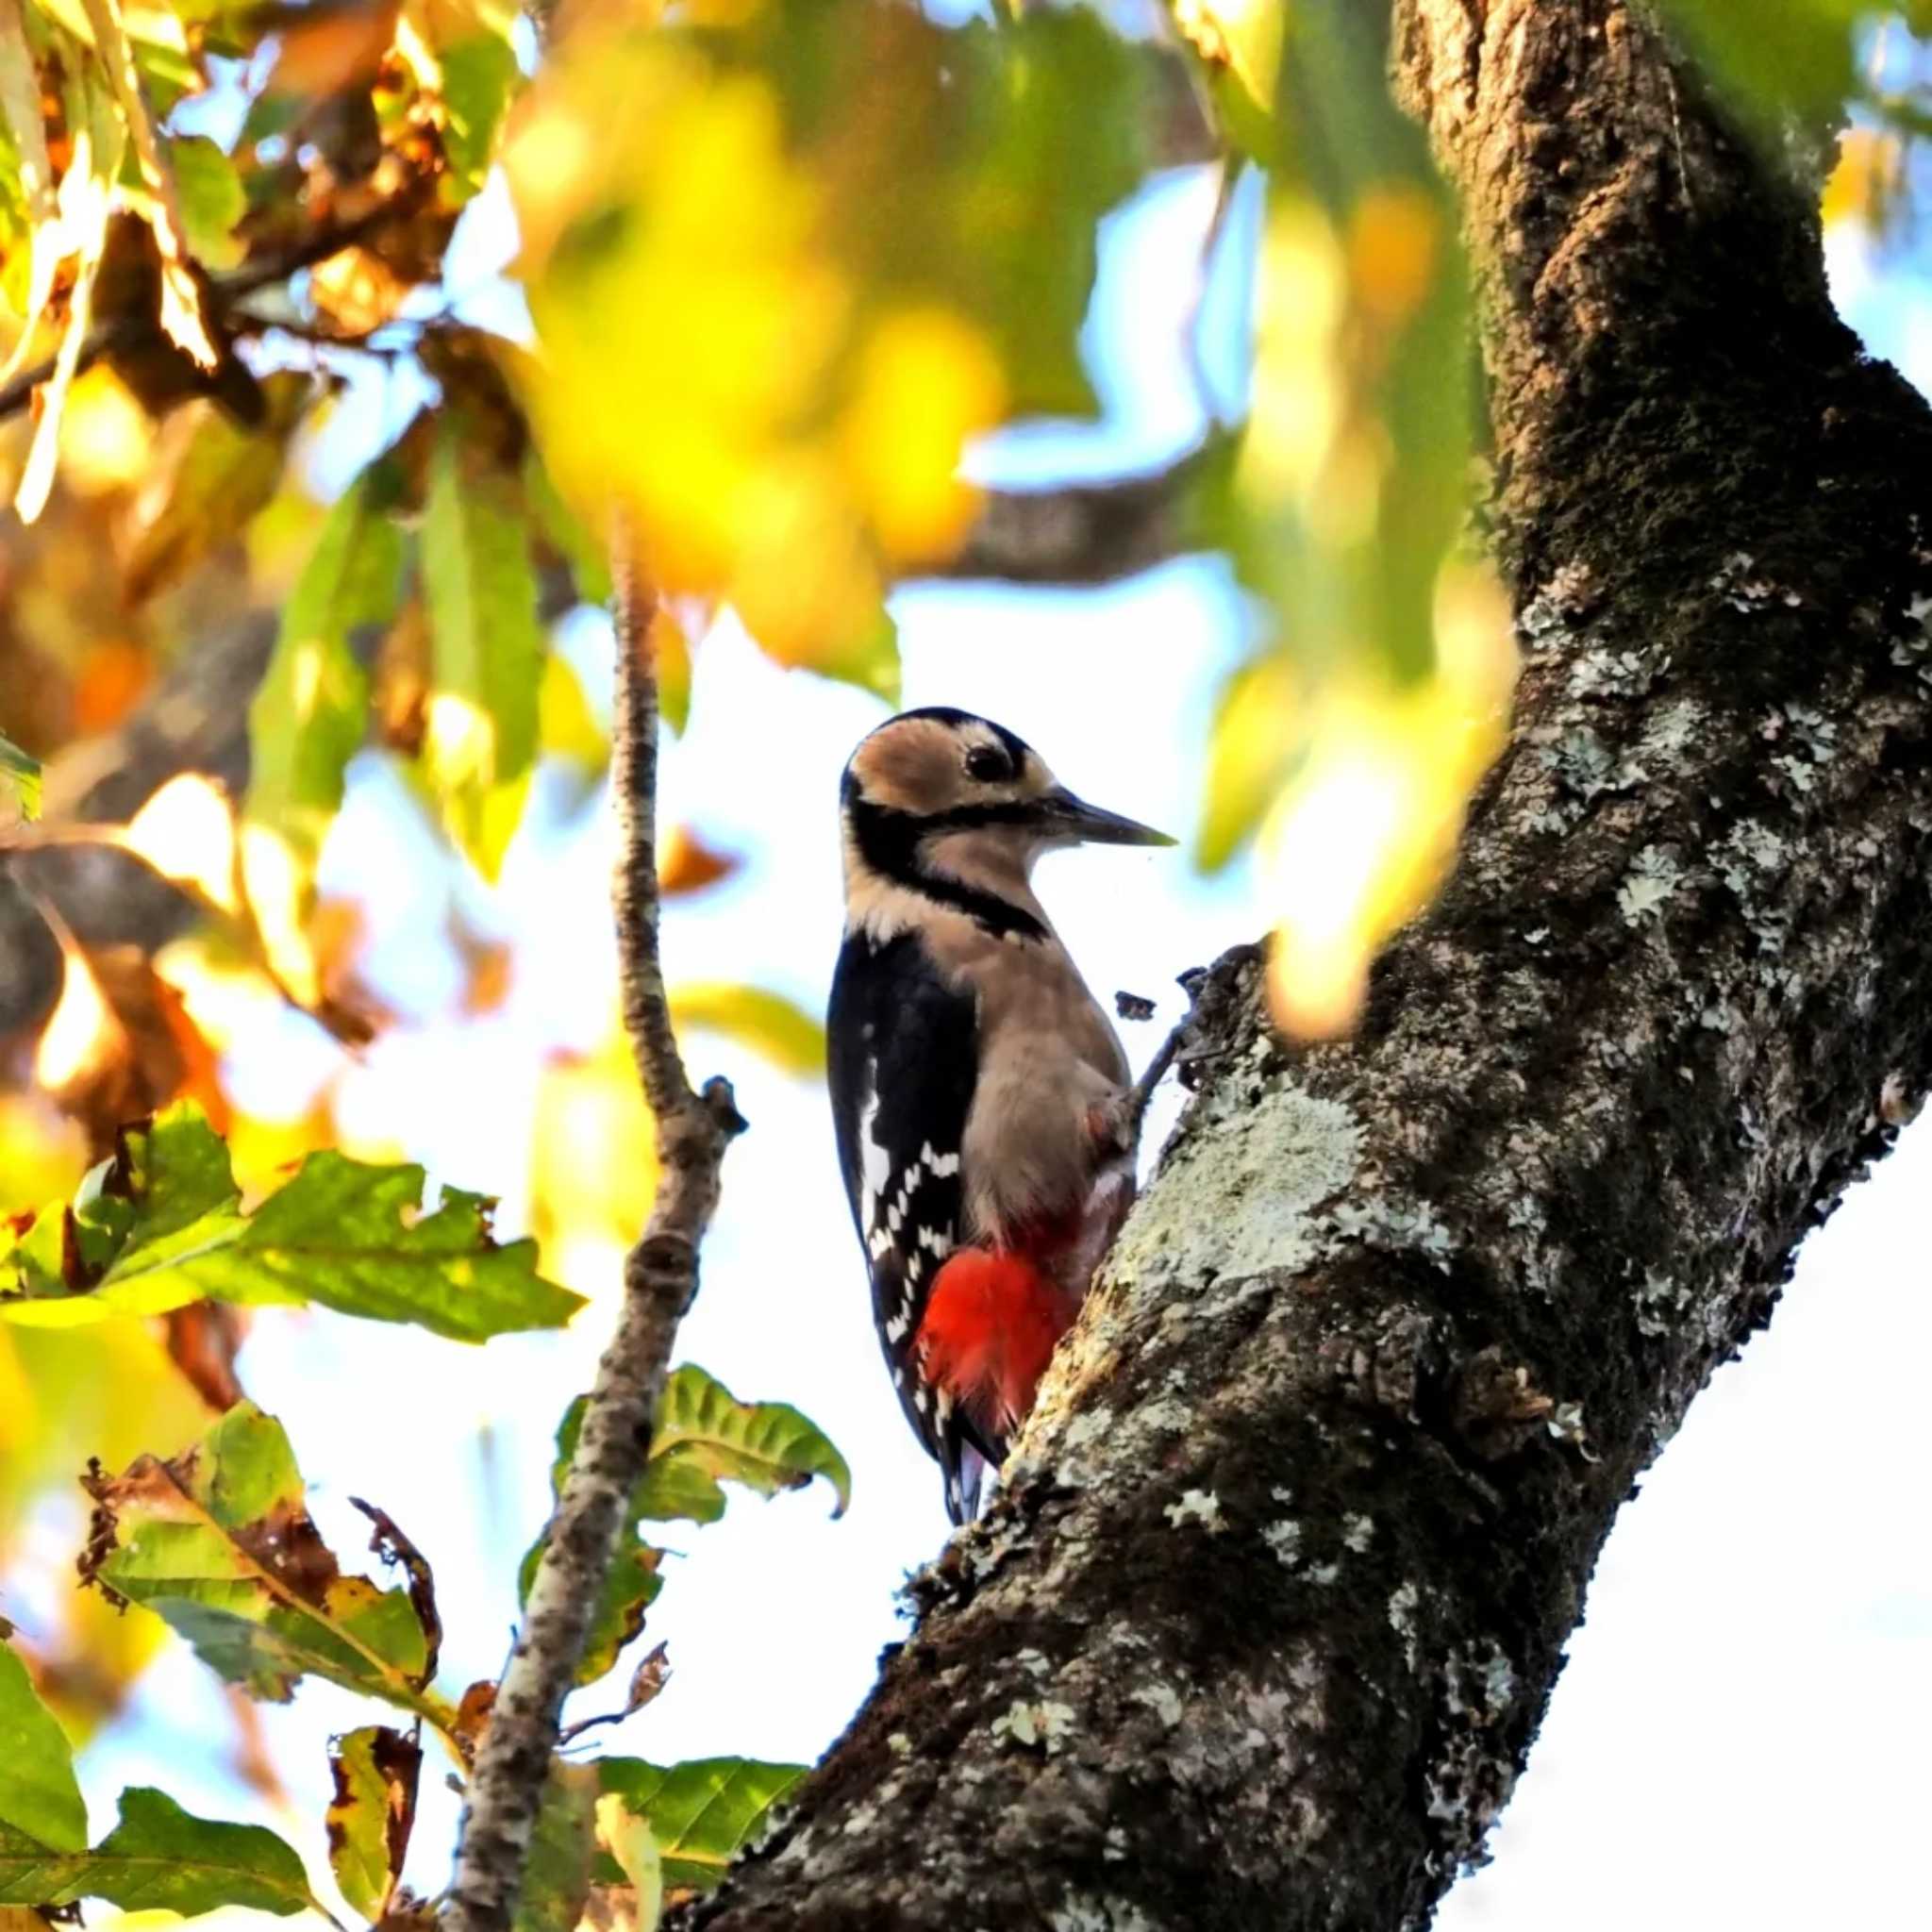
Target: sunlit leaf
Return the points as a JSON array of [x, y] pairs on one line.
[[20, 783], [157, 1855], [375, 1771], [209, 476], [704, 1434], [214, 199], [161, 1226], [159, 1858], [182, 317], [84, 201], [1371, 710], [488, 647], [626, 1836], [1867, 184], [593, 1165], [41, 1806], [820, 307], [309, 717], [701, 1812], [768, 1022], [219, 1542]]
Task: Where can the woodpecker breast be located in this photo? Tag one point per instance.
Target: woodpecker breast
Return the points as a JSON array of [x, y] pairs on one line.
[[974, 1078]]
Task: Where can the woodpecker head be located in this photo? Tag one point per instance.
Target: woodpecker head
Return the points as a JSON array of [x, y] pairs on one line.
[[940, 796]]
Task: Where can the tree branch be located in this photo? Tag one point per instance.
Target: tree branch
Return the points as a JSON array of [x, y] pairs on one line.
[[1090, 533], [659, 1278], [1265, 1614]]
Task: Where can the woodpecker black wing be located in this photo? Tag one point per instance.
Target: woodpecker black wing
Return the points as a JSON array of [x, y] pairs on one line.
[[903, 1062]]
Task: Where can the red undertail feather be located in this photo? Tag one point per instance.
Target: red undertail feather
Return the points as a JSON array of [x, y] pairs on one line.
[[991, 1324]]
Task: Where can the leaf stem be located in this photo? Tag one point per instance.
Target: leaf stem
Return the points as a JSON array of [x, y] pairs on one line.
[[659, 1279]]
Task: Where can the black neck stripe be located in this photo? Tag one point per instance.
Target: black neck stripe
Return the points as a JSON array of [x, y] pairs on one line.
[[888, 844]]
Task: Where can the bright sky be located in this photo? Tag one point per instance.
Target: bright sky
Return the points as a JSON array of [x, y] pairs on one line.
[[1739, 1738]]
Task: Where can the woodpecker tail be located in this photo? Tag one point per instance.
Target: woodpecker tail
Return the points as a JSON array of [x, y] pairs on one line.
[[990, 1327]]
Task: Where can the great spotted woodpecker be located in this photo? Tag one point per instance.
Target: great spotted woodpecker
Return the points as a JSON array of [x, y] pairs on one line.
[[977, 1087]]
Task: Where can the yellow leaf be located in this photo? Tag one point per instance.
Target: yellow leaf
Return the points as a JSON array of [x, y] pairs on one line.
[[767, 1022], [927, 382], [1865, 185], [1366, 829]]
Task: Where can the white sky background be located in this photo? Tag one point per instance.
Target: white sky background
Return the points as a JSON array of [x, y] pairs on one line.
[[1739, 1737]]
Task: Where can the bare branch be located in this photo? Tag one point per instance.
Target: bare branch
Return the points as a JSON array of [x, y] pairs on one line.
[[659, 1279], [1090, 533]]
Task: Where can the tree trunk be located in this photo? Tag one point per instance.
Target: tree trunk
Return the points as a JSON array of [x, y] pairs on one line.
[[1264, 1624]]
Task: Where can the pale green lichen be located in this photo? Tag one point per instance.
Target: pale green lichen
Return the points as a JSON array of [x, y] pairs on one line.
[[1162, 1700], [1198, 1506], [1404, 1601], [1654, 876], [1239, 1199], [1285, 1538], [1047, 1724]]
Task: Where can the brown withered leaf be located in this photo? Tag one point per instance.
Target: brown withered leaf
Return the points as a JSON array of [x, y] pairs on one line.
[[377, 1771], [395, 1548], [327, 46], [685, 863], [218, 1540], [473, 1714], [202, 1339]]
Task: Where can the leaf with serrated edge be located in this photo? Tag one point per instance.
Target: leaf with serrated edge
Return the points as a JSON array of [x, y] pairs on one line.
[[166, 1228], [703, 1433], [369, 1820], [219, 1542], [700, 1813], [161, 1857]]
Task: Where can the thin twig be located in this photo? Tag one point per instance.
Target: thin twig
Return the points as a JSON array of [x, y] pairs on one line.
[[659, 1278]]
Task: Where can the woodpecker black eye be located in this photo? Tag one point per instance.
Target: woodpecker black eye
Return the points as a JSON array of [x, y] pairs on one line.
[[988, 764]]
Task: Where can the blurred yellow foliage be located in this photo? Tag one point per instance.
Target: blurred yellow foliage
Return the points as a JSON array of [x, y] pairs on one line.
[[593, 1164], [1866, 186], [1363, 834], [784, 272]]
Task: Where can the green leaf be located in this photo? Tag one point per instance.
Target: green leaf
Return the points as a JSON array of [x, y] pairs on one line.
[[557, 1875], [480, 77], [161, 1857], [20, 781], [208, 187], [40, 1807], [219, 1543], [369, 1820], [779, 1028], [480, 588], [704, 1434], [700, 1813], [631, 1587], [161, 1226], [1772, 60], [565, 532], [311, 711]]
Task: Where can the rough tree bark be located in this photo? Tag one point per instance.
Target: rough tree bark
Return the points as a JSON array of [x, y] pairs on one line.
[[1265, 1622]]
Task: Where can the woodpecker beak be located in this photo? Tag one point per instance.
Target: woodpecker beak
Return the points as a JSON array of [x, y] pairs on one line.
[[1073, 818]]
